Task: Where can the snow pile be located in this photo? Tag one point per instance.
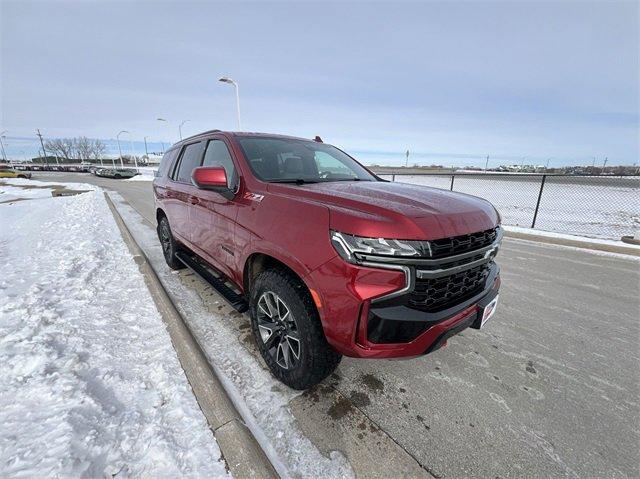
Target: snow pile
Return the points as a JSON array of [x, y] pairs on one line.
[[141, 177], [583, 239], [147, 173], [90, 385]]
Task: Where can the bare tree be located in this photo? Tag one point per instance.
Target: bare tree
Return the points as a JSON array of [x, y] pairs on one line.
[[99, 149], [83, 148], [61, 147]]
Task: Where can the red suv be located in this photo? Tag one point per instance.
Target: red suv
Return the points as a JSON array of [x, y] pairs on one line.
[[328, 258]]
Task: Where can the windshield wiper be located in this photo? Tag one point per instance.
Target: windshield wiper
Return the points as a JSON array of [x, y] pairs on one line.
[[297, 181]]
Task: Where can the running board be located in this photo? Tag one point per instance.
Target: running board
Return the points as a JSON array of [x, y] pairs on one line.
[[236, 301]]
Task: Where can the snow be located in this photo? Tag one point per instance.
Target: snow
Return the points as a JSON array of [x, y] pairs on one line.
[[141, 177], [583, 239], [147, 173], [90, 385], [262, 400]]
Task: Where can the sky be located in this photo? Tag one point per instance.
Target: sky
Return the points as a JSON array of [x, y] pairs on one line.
[[450, 82]]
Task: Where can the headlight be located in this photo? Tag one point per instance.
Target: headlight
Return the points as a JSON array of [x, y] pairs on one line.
[[348, 245]]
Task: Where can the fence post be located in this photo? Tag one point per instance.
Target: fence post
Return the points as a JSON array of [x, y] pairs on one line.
[[452, 178], [535, 213]]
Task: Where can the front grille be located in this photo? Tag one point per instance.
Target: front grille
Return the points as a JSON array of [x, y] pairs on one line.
[[436, 294], [441, 248]]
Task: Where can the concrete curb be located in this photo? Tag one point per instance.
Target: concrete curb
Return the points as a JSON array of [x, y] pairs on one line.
[[610, 248], [240, 449]]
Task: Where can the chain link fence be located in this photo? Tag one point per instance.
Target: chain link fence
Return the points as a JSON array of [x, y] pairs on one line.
[[593, 206]]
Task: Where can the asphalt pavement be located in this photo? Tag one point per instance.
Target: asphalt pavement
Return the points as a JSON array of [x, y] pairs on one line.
[[549, 388]]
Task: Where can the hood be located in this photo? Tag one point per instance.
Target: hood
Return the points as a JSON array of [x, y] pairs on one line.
[[397, 210]]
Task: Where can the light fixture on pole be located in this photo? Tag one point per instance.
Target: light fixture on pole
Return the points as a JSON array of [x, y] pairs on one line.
[[168, 128], [180, 127], [235, 84], [119, 149]]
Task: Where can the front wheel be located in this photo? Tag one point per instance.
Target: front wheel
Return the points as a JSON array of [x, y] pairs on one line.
[[286, 326], [168, 243]]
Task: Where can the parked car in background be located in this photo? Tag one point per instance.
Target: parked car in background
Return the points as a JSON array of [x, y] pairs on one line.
[[7, 171], [116, 173], [328, 258]]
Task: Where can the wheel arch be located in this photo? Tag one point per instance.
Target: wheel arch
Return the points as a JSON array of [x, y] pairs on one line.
[[160, 214], [258, 262]]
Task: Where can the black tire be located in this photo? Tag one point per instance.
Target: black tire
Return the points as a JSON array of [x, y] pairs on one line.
[[169, 245], [117, 177], [316, 359]]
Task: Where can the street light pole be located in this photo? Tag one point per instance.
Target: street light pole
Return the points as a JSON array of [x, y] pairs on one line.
[[235, 84], [180, 127], [135, 160], [4, 153], [120, 149], [486, 164], [146, 152]]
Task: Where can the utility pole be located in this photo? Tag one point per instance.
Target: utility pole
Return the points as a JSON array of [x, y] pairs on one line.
[[45, 151], [406, 163], [486, 164]]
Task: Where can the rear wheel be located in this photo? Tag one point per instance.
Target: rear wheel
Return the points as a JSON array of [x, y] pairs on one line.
[[286, 326], [168, 243]]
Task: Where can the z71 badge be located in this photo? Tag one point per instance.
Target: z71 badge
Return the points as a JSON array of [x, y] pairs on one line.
[[253, 197]]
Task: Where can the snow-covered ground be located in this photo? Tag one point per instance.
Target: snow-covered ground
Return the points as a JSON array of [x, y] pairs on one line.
[[90, 385], [599, 207]]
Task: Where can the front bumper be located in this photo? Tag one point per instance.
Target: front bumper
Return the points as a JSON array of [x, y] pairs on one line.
[[367, 311]]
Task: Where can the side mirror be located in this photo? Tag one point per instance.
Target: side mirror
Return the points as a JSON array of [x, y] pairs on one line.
[[212, 178]]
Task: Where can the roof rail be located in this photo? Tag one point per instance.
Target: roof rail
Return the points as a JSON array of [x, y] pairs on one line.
[[198, 134]]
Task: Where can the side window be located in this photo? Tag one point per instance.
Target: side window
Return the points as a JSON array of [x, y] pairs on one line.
[[166, 162], [217, 154], [189, 160]]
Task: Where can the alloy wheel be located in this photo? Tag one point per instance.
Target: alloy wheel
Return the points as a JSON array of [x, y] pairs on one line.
[[165, 238], [278, 330]]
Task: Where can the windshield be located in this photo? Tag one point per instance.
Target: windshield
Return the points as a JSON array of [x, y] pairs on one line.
[[283, 160]]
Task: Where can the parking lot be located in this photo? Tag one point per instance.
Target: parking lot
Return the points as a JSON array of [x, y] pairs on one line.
[[548, 389]]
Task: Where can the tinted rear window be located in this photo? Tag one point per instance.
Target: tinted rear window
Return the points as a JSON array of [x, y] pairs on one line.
[[190, 159], [167, 161]]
